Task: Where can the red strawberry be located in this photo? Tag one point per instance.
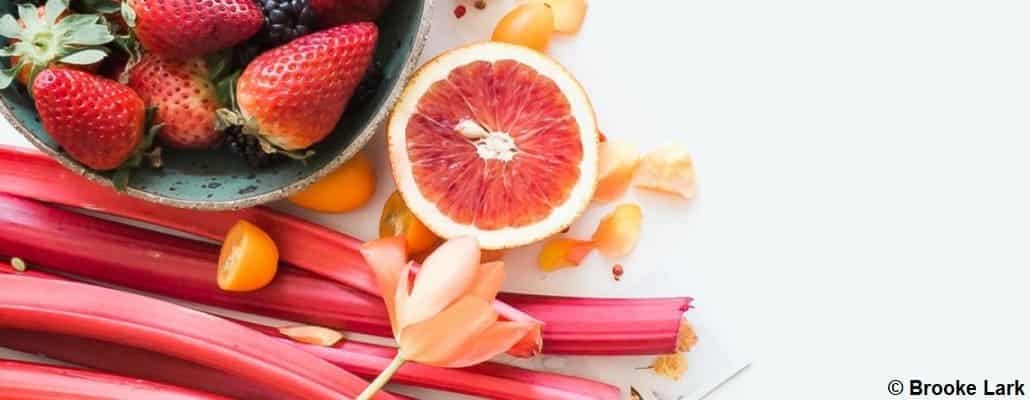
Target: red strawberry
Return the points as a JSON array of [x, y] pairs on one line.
[[184, 96], [339, 12], [292, 96], [180, 29], [98, 121]]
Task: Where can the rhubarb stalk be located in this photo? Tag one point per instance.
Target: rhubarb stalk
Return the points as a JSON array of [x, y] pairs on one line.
[[130, 361], [103, 314], [151, 261], [22, 380], [145, 260], [489, 380]]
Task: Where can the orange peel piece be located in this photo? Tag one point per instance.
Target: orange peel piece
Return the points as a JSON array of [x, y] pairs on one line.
[[618, 163], [668, 169], [618, 232], [561, 253], [311, 334]]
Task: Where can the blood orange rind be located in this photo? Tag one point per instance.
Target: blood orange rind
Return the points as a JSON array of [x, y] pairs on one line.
[[557, 171]]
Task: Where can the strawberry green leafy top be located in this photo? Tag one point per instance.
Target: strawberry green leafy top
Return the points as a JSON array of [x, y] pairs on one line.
[[41, 37]]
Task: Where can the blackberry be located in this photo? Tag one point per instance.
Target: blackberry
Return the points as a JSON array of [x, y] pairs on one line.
[[249, 148], [369, 85], [285, 20]]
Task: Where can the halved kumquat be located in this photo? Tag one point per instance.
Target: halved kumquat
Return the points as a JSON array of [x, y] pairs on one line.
[[249, 259], [347, 188]]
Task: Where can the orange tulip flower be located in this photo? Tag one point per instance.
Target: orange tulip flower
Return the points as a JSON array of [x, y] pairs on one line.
[[446, 318]]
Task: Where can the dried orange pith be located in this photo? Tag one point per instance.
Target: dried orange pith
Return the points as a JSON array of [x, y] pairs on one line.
[[668, 169], [397, 220], [249, 259], [494, 141], [618, 232], [618, 163], [563, 253], [347, 188]]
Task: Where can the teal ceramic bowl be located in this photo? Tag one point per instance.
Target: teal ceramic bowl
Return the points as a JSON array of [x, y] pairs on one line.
[[215, 180]]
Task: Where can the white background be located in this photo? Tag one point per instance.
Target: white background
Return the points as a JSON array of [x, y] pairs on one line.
[[864, 211]]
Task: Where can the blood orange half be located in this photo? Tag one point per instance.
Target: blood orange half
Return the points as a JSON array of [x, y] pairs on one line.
[[495, 141]]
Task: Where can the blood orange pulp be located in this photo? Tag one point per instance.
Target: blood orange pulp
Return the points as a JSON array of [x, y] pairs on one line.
[[496, 141]]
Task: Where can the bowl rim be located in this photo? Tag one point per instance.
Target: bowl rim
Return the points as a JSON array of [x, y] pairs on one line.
[[359, 142]]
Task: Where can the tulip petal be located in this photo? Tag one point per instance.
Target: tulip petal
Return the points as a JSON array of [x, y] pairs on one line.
[[496, 339], [402, 296], [387, 258], [488, 281], [443, 338], [446, 275]]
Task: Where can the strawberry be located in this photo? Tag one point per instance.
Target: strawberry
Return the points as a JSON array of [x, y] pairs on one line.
[[45, 36], [180, 29], [338, 12], [97, 121], [184, 98], [292, 96]]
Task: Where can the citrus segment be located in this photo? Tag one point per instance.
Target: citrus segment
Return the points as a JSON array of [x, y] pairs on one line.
[[495, 141]]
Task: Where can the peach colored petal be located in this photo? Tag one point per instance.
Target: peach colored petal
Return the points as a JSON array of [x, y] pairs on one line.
[[497, 339], [619, 231], [532, 342], [618, 162], [668, 169], [443, 338], [488, 281], [387, 258], [561, 253], [446, 275], [401, 298]]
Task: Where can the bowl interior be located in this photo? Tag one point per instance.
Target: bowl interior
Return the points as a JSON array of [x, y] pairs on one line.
[[215, 178]]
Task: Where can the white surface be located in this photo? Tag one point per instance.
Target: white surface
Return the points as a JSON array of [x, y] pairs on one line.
[[665, 263]]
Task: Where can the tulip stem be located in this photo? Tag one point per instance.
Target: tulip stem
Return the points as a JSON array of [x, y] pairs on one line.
[[383, 377]]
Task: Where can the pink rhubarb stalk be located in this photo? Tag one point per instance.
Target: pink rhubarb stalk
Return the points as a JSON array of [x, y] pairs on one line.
[[138, 363], [490, 380], [301, 243], [22, 380], [151, 261], [103, 314], [119, 254]]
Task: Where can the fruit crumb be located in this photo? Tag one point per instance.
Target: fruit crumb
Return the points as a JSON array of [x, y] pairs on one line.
[[480, 4], [671, 366], [687, 337], [617, 272], [18, 264], [459, 11]]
